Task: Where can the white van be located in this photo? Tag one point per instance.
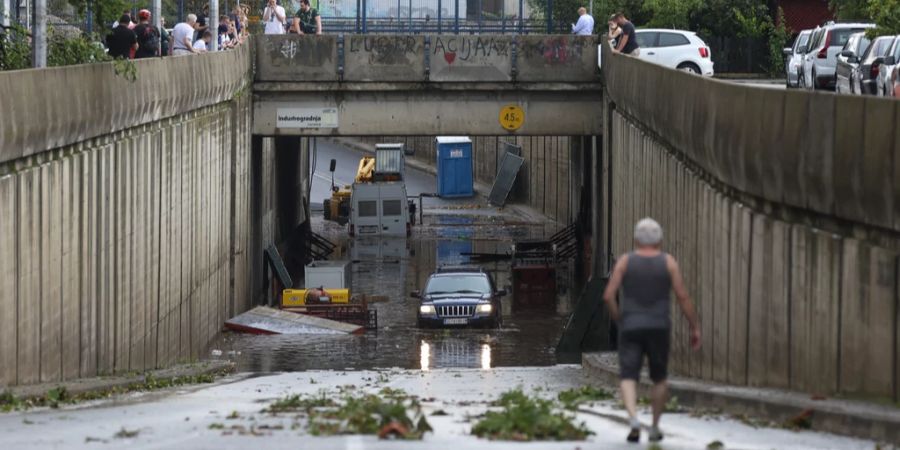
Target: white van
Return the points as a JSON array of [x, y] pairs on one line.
[[379, 208]]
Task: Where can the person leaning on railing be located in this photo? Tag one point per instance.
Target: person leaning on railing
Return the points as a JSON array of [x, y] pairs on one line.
[[307, 20]]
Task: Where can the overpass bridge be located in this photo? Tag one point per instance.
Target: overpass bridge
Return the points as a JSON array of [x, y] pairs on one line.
[[425, 84], [125, 207]]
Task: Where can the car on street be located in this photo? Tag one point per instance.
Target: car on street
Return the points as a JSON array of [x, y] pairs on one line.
[[459, 297], [847, 61], [677, 49], [794, 55], [885, 83], [817, 70], [866, 73]]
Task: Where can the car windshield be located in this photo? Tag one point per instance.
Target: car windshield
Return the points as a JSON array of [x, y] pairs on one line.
[[472, 284], [840, 36], [802, 40]]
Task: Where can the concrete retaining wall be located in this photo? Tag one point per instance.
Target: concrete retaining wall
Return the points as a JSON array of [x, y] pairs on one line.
[[125, 222], [782, 304]]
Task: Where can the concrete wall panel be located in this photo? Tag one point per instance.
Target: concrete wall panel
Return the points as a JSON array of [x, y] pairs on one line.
[[793, 133], [29, 277], [877, 172], [51, 272], [89, 247], [868, 317], [848, 159], [384, 58], [721, 221], [291, 57], [9, 270], [815, 310], [556, 58], [71, 298]]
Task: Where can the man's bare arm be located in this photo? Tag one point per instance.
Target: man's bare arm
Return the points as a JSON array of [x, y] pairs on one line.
[[609, 295], [622, 42], [684, 301]]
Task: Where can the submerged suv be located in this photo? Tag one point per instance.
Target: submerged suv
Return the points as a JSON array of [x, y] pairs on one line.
[[459, 297]]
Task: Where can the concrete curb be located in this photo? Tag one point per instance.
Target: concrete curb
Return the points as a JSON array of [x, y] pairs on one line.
[[116, 382], [850, 418]]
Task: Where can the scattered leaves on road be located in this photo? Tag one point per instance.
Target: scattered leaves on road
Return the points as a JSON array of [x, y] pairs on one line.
[[523, 418], [572, 398], [126, 434], [715, 445]]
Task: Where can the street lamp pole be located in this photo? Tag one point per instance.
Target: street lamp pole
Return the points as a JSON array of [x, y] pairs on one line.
[[213, 22], [39, 34]]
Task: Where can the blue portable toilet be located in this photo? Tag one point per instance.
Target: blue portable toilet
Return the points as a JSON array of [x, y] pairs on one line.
[[454, 166]]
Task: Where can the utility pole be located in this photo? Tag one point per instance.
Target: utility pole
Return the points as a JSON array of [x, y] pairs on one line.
[[156, 13], [39, 34], [213, 22], [5, 13]]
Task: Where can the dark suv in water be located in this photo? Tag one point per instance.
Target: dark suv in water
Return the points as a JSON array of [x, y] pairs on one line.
[[459, 297]]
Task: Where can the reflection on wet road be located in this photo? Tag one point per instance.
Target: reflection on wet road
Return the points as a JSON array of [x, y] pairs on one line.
[[393, 267]]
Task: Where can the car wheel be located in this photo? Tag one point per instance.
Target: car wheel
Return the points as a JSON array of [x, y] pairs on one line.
[[689, 67]]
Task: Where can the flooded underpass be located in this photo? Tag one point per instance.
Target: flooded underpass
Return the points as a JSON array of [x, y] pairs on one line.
[[391, 268]]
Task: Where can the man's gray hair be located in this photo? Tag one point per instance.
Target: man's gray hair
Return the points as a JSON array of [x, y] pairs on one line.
[[648, 232], [191, 18]]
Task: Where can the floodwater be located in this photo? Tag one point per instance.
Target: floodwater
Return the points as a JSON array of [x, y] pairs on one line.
[[393, 267]]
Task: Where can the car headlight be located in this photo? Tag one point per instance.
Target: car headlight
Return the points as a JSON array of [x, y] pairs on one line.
[[426, 309], [485, 308]]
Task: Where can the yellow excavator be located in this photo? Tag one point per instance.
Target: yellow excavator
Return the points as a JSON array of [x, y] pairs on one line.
[[337, 208]]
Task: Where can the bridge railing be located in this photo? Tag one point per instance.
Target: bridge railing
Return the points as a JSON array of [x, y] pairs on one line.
[[426, 58], [831, 154]]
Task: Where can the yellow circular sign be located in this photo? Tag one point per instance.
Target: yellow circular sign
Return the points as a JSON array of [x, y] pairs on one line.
[[512, 117]]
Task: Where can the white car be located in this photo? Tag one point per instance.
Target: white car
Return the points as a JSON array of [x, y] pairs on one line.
[[677, 49]]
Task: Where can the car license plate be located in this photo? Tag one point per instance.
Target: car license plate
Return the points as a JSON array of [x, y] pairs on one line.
[[459, 321]]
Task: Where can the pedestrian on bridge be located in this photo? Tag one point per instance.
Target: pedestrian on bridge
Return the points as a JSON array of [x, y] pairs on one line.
[[122, 42], [274, 17], [627, 42], [307, 20], [148, 36], [182, 37], [585, 24], [646, 276]]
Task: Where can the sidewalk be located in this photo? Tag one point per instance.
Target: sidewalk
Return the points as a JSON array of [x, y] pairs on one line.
[[846, 417]]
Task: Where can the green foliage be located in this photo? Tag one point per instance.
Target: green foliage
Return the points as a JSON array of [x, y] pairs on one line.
[[296, 403], [671, 13], [63, 51], [850, 9], [572, 398], [371, 414], [525, 419], [778, 40], [886, 15], [15, 53]]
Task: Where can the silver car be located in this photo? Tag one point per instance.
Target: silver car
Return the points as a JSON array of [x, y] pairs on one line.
[[794, 55], [884, 84], [817, 68]]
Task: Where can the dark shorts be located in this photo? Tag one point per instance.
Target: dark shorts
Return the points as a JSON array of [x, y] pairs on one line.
[[634, 344]]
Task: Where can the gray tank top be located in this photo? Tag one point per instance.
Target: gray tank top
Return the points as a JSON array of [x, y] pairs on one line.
[[645, 293]]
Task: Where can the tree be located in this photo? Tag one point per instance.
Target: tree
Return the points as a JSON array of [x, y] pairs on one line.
[[886, 15], [671, 13]]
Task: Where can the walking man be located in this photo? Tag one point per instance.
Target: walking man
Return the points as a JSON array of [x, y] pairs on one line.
[[585, 24], [627, 43], [646, 276]]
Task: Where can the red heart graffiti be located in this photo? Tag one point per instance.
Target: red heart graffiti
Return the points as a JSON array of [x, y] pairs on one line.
[[450, 57]]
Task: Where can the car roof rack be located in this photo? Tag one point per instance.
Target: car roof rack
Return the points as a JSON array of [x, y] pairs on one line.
[[468, 269]]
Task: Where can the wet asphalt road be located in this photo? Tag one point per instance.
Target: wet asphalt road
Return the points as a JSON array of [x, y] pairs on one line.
[[393, 267]]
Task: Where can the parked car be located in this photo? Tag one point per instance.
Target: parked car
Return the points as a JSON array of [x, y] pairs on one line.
[[459, 297], [847, 61], [794, 55], [866, 73], [817, 69], [885, 83], [682, 50]]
